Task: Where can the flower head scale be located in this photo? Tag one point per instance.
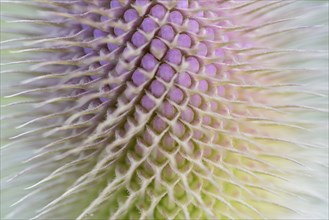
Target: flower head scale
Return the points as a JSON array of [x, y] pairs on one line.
[[165, 109]]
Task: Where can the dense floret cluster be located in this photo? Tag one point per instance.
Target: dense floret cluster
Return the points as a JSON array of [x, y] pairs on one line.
[[162, 109]]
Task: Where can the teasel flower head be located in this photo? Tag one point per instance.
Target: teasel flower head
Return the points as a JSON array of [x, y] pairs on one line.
[[164, 109]]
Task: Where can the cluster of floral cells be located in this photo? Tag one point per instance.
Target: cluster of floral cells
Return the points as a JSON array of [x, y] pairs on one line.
[[159, 109]]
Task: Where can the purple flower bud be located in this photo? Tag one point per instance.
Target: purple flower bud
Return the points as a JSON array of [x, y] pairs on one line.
[[165, 109]]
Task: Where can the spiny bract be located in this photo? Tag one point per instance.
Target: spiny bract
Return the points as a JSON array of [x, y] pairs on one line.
[[166, 110]]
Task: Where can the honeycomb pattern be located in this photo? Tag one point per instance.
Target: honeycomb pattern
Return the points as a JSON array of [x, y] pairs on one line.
[[160, 110]]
